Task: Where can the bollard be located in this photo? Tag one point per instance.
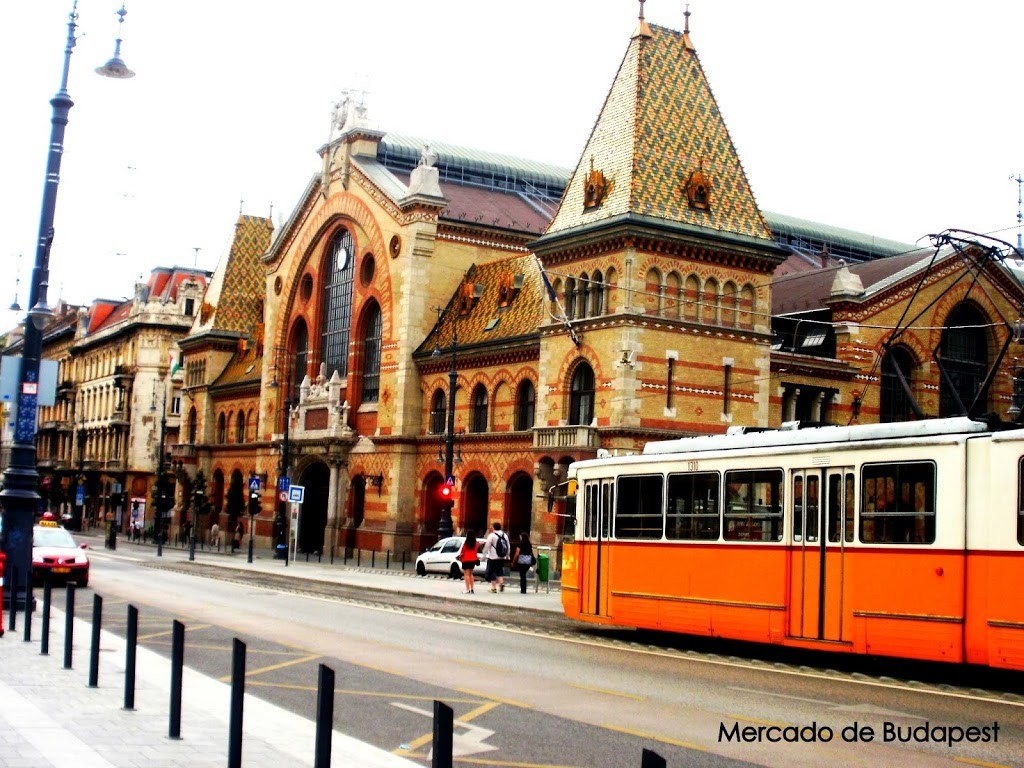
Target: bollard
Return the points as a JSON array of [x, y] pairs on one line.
[[12, 599], [324, 717], [444, 723], [373, 558], [69, 623], [344, 555], [29, 599], [237, 699], [387, 562], [44, 643], [177, 664], [651, 759], [131, 641], [403, 561], [359, 557], [94, 648]]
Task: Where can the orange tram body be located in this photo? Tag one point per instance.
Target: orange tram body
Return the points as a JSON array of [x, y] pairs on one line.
[[893, 539]]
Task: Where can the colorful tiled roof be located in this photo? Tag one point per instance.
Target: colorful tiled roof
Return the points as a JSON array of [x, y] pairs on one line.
[[241, 282], [487, 322], [245, 367], [660, 125]]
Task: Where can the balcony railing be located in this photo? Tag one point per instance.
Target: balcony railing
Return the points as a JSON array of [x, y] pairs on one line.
[[183, 451], [574, 436]]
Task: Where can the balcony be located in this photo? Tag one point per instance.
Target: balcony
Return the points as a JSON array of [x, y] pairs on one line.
[[119, 418], [183, 451], [569, 437]]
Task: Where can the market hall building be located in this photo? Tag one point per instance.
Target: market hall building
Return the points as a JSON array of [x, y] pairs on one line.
[[641, 295]]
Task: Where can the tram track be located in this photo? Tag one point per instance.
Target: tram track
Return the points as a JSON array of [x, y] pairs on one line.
[[978, 683]]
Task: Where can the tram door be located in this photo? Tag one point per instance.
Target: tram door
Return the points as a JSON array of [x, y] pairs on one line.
[[593, 554], [822, 512]]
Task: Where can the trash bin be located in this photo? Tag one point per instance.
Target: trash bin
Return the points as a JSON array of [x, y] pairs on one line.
[[543, 565]]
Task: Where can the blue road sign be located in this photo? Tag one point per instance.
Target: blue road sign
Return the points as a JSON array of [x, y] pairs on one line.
[[296, 494], [283, 483], [254, 483]]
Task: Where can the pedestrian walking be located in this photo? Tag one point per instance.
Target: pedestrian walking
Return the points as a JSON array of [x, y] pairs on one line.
[[523, 559], [236, 541], [468, 558], [496, 552]]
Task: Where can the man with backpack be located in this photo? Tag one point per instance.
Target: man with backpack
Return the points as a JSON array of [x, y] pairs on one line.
[[496, 552]]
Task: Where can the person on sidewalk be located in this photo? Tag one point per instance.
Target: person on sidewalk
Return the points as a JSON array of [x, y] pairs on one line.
[[523, 559], [496, 552], [468, 558], [215, 536]]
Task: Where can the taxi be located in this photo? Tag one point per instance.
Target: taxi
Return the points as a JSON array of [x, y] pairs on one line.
[[56, 556]]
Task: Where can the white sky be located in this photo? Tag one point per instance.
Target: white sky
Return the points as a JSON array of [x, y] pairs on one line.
[[896, 118]]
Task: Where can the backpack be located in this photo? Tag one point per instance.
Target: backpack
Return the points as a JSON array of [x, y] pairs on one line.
[[501, 546]]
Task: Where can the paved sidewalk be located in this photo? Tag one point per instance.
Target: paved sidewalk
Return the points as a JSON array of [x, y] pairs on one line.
[[50, 718]]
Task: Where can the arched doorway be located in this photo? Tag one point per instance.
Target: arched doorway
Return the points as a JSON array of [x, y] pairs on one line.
[[475, 492], [520, 505], [432, 506], [313, 518]]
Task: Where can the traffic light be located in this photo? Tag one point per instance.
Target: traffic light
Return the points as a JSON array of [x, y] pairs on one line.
[[254, 503], [447, 491]]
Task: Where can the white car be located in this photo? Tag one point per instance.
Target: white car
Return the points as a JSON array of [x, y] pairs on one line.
[[443, 558], [56, 555]]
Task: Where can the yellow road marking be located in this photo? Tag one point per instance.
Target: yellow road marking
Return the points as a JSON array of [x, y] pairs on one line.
[[170, 631], [746, 719], [488, 697], [273, 667], [979, 762], [655, 737], [608, 693]]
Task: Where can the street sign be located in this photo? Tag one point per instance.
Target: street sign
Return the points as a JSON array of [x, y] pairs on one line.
[[80, 496], [450, 480], [254, 484], [283, 483], [283, 496], [296, 493]]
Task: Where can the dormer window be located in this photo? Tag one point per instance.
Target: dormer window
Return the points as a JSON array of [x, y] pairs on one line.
[[509, 288], [595, 188], [190, 307], [698, 189], [469, 295]]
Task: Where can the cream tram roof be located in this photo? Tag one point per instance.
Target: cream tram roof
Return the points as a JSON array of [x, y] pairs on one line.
[[818, 435]]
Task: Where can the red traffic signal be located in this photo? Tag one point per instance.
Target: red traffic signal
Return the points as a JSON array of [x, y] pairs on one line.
[[446, 492]]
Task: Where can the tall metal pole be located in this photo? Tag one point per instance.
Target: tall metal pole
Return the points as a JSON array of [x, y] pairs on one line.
[[281, 523], [444, 526], [161, 493], [20, 497]]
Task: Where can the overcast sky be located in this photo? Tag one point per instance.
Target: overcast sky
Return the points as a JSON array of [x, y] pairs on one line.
[[897, 118]]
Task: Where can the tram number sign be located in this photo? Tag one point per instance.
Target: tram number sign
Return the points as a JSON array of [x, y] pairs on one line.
[[692, 465]]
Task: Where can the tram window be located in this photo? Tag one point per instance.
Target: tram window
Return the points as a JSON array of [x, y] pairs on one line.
[[805, 507], [840, 506], [591, 496], [753, 510], [693, 507], [638, 507], [898, 503]]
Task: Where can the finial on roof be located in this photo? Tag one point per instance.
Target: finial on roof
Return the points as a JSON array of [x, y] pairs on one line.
[[642, 30], [241, 202], [686, 30]]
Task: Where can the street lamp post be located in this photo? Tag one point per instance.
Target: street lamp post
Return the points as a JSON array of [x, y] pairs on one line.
[[444, 526], [280, 522], [161, 486], [20, 497], [199, 496]]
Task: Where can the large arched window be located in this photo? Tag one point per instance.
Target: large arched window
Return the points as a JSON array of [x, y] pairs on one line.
[[581, 395], [192, 425], [222, 429], [526, 405], [300, 348], [371, 354], [240, 427], [479, 415], [894, 402], [963, 352], [336, 320], [438, 411]]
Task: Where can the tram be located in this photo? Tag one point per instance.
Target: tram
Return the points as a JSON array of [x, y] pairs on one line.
[[901, 540]]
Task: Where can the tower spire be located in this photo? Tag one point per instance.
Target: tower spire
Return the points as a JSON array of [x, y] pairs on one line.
[[686, 29], [642, 30]]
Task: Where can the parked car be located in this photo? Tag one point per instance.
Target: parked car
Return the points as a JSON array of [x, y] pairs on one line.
[[56, 555], [443, 558]]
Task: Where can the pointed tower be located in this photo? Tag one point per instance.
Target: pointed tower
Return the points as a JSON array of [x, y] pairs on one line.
[[659, 260]]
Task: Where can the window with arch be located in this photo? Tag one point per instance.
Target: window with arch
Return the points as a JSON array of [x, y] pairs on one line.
[[730, 303], [653, 292], [746, 306], [894, 402], [691, 298], [371, 353], [581, 395], [240, 427], [570, 298], [300, 353], [710, 304], [222, 429], [438, 412], [963, 352], [478, 417], [584, 299], [336, 304], [597, 300], [192, 426], [526, 405]]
